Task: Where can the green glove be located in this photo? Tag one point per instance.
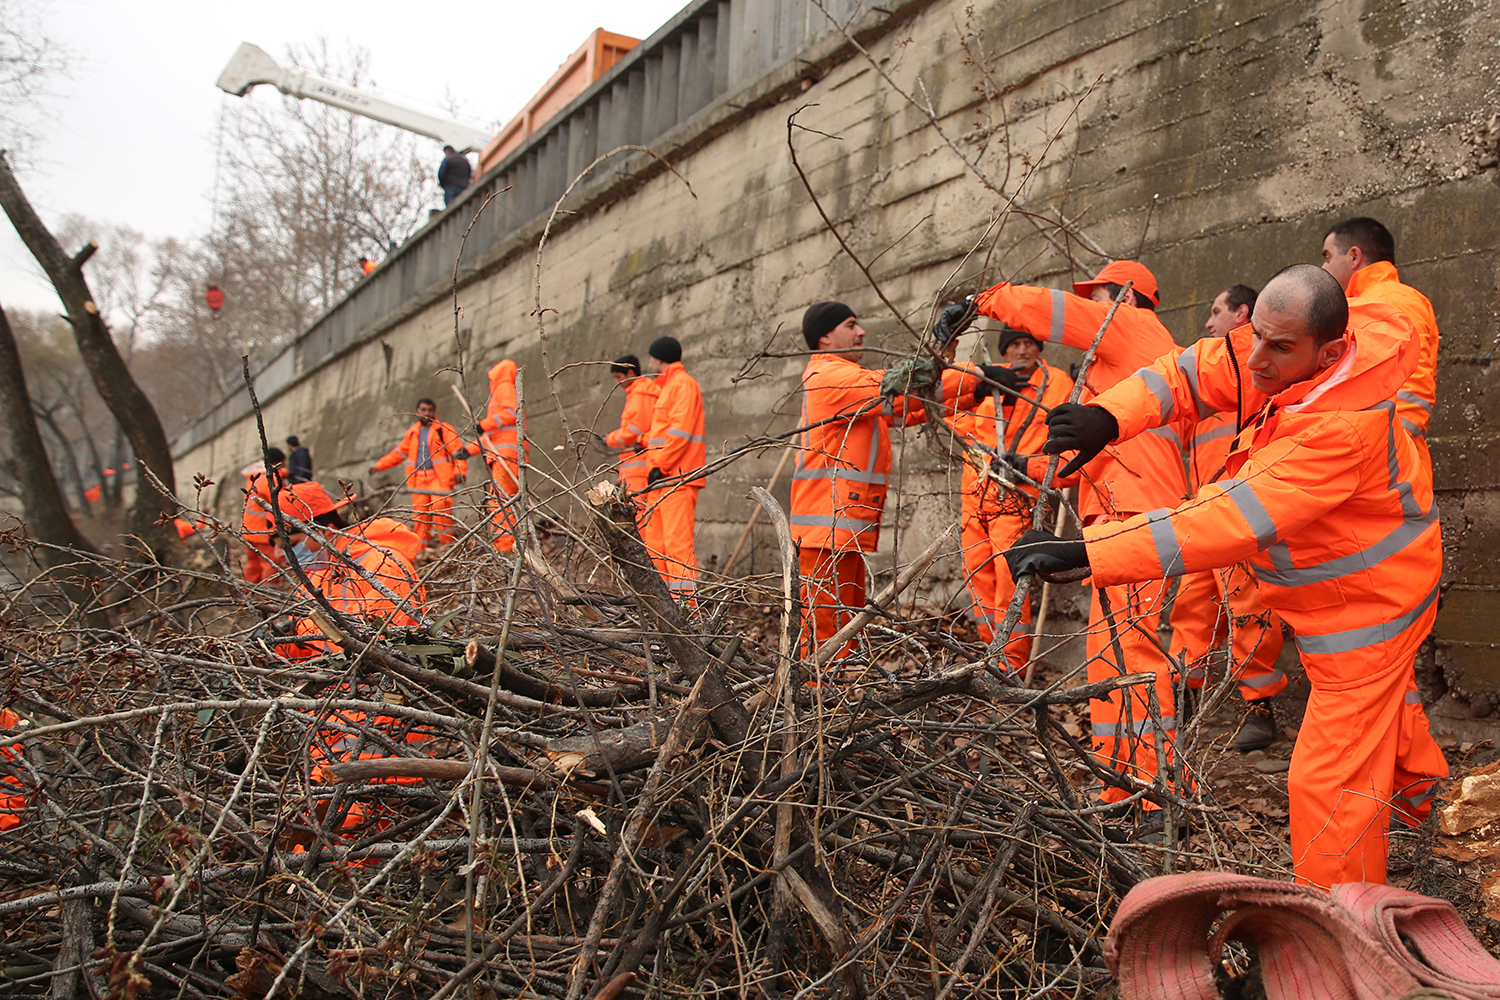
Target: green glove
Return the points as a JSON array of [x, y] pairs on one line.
[[913, 376]]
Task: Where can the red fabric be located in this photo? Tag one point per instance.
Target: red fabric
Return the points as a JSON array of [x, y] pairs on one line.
[[1426, 936], [1159, 945]]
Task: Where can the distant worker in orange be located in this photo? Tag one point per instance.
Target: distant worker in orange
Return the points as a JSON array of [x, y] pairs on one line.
[[500, 444], [990, 518], [12, 790], [257, 526], [1360, 253], [1143, 474], [384, 591], [1209, 602], [436, 459], [844, 462], [1326, 496], [630, 437], [675, 448], [366, 265]]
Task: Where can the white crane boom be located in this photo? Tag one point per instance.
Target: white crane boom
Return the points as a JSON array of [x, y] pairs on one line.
[[250, 67]]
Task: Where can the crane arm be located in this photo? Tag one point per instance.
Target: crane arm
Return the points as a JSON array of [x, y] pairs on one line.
[[251, 66]]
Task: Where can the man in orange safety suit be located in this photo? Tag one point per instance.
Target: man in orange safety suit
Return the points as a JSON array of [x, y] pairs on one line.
[[630, 438], [1359, 253], [1136, 476], [384, 590], [436, 459], [990, 519], [500, 442], [840, 481], [256, 528], [674, 449], [1326, 496], [1215, 603]]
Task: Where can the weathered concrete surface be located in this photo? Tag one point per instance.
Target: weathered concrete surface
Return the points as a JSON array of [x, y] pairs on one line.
[[1216, 141]]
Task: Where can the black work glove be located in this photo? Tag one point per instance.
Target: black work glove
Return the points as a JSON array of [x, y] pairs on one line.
[[1008, 377], [478, 430], [1018, 462], [1086, 429], [654, 475], [954, 320], [1044, 554]]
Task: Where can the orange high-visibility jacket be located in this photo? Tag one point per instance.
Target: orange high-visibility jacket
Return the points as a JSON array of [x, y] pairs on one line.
[[635, 424], [674, 444], [1210, 440], [1025, 431], [258, 526], [1133, 475], [449, 453], [12, 796], [385, 548], [1324, 495], [500, 440], [839, 485], [1379, 281]]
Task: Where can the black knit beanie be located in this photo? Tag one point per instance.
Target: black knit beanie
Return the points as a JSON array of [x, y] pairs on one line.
[[1009, 335], [665, 349], [626, 364], [820, 319]]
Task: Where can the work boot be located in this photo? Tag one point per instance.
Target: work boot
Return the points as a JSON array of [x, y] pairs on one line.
[[1258, 731]]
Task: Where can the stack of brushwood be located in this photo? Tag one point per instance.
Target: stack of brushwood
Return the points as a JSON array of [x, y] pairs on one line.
[[586, 790]]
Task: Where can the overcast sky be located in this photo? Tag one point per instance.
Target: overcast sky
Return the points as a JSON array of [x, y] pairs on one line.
[[133, 141]]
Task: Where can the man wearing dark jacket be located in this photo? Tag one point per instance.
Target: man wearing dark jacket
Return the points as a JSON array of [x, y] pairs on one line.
[[454, 174], [299, 462]]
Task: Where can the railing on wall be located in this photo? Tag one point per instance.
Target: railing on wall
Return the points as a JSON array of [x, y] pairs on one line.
[[711, 50]]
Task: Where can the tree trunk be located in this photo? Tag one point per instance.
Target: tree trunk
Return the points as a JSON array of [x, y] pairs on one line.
[[46, 511], [130, 406], [70, 455]]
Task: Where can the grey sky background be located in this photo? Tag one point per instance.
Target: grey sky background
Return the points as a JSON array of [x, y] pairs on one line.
[[133, 135]]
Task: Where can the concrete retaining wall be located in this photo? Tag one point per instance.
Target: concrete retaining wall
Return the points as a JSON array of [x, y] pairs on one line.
[[1216, 141]]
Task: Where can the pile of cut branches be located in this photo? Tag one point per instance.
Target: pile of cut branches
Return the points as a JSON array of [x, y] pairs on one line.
[[566, 789]]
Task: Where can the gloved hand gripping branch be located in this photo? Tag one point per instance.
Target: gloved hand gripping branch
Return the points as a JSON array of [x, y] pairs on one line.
[[1086, 429], [954, 320], [1000, 375], [1057, 560]]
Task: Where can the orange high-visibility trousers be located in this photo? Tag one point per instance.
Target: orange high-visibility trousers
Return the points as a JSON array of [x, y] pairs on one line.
[[1364, 751], [989, 580], [12, 791], [504, 485], [1124, 735], [673, 513], [833, 592], [1201, 616], [432, 512]]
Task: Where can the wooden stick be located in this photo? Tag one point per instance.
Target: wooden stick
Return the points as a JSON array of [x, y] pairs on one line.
[[739, 546], [1041, 616]]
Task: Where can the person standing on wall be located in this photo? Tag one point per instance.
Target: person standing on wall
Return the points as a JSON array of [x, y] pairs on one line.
[[299, 467], [844, 461], [630, 437], [500, 444], [1325, 494], [453, 174], [1359, 252], [436, 460], [674, 448], [990, 521], [1143, 474], [1209, 601]]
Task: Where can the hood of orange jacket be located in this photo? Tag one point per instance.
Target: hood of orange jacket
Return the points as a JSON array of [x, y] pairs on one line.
[[502, 371]]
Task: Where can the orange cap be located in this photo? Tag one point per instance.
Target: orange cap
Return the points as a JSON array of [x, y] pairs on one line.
[[305, 501], [1117, 273]]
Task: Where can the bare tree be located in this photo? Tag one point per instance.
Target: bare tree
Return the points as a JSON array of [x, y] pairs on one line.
[[112, 378], [29, 63], [46, 511]]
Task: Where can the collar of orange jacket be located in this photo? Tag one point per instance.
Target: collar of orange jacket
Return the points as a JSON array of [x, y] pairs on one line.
[[1383, 352], [668, 372], [502, 371], [1371, 274]]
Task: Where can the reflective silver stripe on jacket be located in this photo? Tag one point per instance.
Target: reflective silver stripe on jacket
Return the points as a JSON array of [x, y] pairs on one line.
[[1169, 724], [854, 524], [1160, 390], [1286, 575], [1365, 636], [685, 435], [1252, 510], [1187, 363], [1168, 550], [1414, 400]]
